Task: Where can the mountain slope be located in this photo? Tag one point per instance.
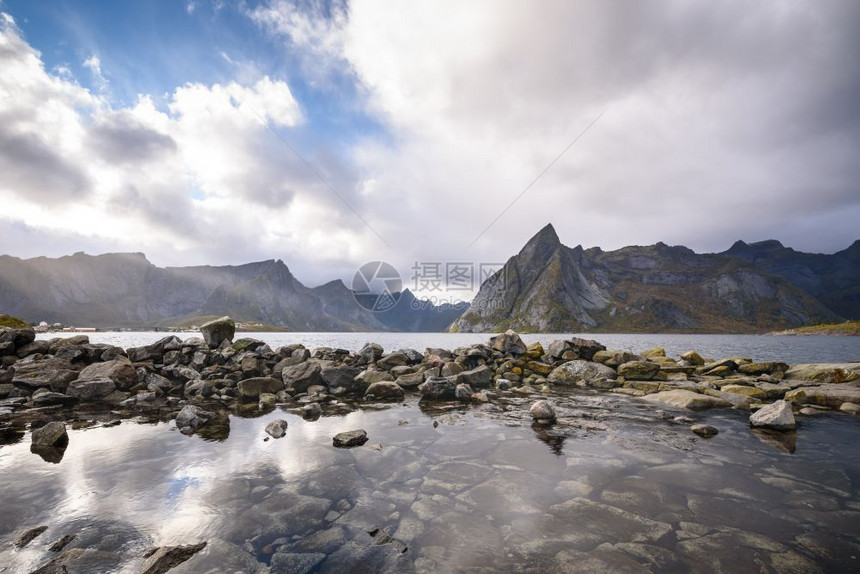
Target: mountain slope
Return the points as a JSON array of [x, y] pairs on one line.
[[550, 287]]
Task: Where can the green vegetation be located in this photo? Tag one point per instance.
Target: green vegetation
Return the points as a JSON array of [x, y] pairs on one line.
[[848, 328], [10, 321]]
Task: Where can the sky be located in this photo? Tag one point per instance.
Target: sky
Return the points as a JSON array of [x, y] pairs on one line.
[[330, 134]]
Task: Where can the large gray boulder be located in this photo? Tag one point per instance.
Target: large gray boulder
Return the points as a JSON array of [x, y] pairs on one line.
[[251, 389], [508, 343], [480, 377], [438, 389], [575, 371], [50, 372], [302, 376], [638, 370], [193, 417], [575, 348], [685, 399], [776, 416], [342, 377], [385, 391], [18, 337], [542, 411], [92, 390], [214, 332], [119, 370], [52, 434]]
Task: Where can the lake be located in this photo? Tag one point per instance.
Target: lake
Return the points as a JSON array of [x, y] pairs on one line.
[[807, 349]]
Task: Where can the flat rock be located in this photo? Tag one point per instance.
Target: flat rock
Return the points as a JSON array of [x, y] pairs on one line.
[[833, 395], [91, 390], [776, 416], [252, 388], [350, 438], [385, 391], [687, 399], [577, 370], [824, 372], [638, 370], [705, 431]]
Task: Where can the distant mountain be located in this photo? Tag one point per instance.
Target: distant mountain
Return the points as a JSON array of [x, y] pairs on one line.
[[553, 288], [126, 290]]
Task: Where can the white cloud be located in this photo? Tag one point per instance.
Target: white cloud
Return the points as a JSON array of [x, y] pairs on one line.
[[94, 65]]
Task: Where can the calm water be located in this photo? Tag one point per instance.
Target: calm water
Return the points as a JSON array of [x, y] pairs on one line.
[[759, 347], [613, 487]]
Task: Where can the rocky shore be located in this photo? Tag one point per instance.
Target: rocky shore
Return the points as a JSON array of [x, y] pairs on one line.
[[198, 380]]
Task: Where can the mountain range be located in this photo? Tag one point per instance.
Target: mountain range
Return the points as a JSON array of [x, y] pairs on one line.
[[546, 287]]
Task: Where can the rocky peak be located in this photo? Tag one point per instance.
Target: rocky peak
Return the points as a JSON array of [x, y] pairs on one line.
[[540, 247]]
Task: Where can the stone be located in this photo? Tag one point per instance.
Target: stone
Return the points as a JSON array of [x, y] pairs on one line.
[[638, 370], [508, 343], [542, 411], [705, 431], [767, 368], [277, 428], [311, 411], [410, 381], [369, 353], [300, 377], [693, 358], [251, 389], [48, 398], [574, 371], [370, 376], [535, 350], [91, 390], [687, 399], [119, 370], [751, 392], [776, 416], [463, 393], [438, 389], [850, 408], [824, 372], [27, 537], [341, 377], [18, 337], [796, 396], [61, 542], [385, 391], [193, 417], [480, 377], [296, 562], [153, 352], [52, 434], [613, 357], [215, 332], [834, 394], [47, 372], [160, 560], [392, 360], [350, 438], [654, 353]]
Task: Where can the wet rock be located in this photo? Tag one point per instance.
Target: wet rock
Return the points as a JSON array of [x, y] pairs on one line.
[[687, 399], [49, 398], [705, 431], [61, 542], [302, 376], [385, 391], [277, 428], [784, 441], [638, 370], [508, 343], [311, 411], [119, 370], [52, 434], [193, 417], [251, 389], [215, 332], [480, 377], [542, 411], [160, 560], [850, 408], [340, 377], [350, 438], [776, 416], [463, 393], [25, 538], [295, 562], [575, 371], [438, 389], [91, 390]]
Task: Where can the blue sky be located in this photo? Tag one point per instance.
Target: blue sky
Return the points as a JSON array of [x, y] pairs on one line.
[[135, 126]]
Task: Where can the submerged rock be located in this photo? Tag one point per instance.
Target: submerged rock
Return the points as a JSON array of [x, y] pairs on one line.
[[160, 560], [438, 389], [193, 417], [25, 538], [705, 431], [52, 434], [776, 416], [277, 428], [385, 391], [350, 438], [542, 411]]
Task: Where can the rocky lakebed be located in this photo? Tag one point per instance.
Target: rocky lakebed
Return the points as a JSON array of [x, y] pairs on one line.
[[221, 454]]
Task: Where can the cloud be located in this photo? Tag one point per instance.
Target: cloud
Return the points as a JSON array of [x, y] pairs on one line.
[[94, 65]]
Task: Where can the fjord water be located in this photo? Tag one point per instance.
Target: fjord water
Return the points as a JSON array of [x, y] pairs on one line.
[[616, 485], [806, 349]]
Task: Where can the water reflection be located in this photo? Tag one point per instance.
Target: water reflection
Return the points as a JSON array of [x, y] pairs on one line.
[[51, 454], [784, 441], [554, 439]]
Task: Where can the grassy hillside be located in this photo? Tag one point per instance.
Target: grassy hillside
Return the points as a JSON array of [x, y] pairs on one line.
[[10, 321], [849, 328]]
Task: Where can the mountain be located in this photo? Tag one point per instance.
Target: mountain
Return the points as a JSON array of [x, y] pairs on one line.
[[553, 288], [126, 290]]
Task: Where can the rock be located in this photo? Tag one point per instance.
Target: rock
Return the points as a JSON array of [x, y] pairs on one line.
[[535, 350], [193, 417], [480, 377], [503, 385], [27, 537], [18, 337], [706, 431], [751, 392], [393, 360], [574, 371], [119, 370], [687, 399], [296, 562], [613, 357], [796, 396], [370, 376], [48, 372], [153, 352], [52, 434], [463, 393], [542, 411], [575, 348], [350, 439], [162, 559], [638, 370], [410, 381], [48, 398], [369, 353], [850, 408], [301, 376], [385, 391], [277, 428], [508, 343], [693, 358], [61, 542], [251, 389], [40, 346], [215, 332], [768, 368], [834, 394], [311, 411], [438, 389], [341, 377], [91, 390], [824, 372], [776, 416]]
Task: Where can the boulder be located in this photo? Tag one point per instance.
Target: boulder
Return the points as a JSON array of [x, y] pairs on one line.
[[153, 352], [575, 348], [49, 398], [161, 560], [52, 434], [824, 372], [91, 390], [341, 377], [463, 393], [41, 346], [438, 389], [392, 360], [693, 358], [350, 438], [119, 370], [251, 389], [687, 399], [301, 376], [751, 392], [833, 395], [18, 337], [193, 417], [638, 370], [214, 332], [277, 428], [508, 343], [410, 381], [370, 353], [776, 416], [542, 411], [370, 376], [48, 372], [246, 344], [767, 368], [385, 391], [574, 371], [480, 377]]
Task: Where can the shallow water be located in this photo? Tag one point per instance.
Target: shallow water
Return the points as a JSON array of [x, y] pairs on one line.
[[615, 485], [813, 349]]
